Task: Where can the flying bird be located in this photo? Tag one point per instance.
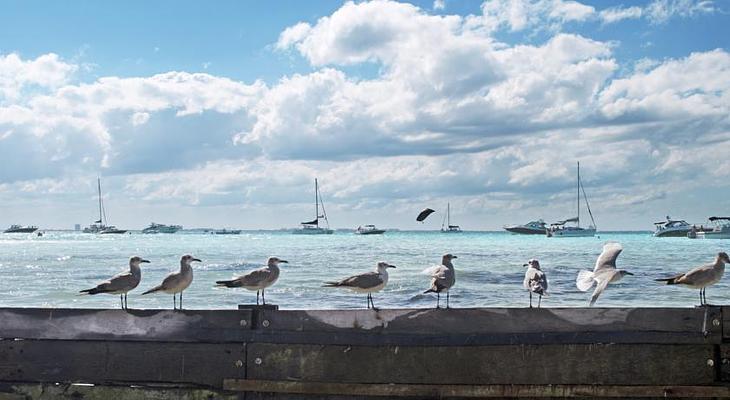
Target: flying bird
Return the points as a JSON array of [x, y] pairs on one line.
[[369, 282], [424, 214], [121, 283], [258, 279], [604, 272], [702, 276], [535, 280], [176, 282], [443, 278]]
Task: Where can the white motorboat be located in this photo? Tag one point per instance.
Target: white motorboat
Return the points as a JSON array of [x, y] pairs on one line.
[[672, 228], [161, 228], [531, 228], [313, 227], [720, 230], [21, 229], [369, 230], [566, 228]]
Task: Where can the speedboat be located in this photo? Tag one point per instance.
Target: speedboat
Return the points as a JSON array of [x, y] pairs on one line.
[[563, 229], [531, 228], [672, 228], [720, 230], [21, 229], [369, 230], [312, 227], [161, 228]]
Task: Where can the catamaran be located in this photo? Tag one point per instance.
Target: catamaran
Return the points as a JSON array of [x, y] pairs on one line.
[[563, 229], [100, 226], [446, 226], [313, 227]]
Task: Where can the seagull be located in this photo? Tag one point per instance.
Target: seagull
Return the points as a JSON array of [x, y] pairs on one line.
[[605, 272], [535, 280], [121, 283], [702, 276], [176, 282], [443, 278], [369, 282], [258, 279]]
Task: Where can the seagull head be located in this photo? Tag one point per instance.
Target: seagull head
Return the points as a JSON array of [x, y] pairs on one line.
[[448, 257], [532, 263], [722, 256], [136, 260], [382, 266], [187, 259], [272, 261]]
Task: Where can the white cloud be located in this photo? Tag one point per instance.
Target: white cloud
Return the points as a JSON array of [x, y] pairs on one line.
[[439, 5], [46, 71], [616, 14], [660, 11]]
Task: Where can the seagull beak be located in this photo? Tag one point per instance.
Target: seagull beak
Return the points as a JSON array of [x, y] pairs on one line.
[[284, 261], [391, 266], [144, 261], [196, 259], [454, 257], [629, 273], [524, 265]]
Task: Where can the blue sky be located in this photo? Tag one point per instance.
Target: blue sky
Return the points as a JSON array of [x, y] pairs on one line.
[[223, 114]]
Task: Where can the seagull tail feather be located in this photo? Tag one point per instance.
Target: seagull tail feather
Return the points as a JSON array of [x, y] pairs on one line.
[[154, 289], [584, 281], [229, 283], [430, 290], [89, 291], [332, 284], [669, 281]]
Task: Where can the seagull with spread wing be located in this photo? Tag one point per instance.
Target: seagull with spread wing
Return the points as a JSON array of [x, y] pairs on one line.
[[605, 272], [258, 279]]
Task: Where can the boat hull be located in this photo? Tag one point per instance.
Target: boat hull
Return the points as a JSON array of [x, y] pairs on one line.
[[580, 232], [309, 231], [112, 232], [373, 232], [522, 230], [21, 230], [672, 233]]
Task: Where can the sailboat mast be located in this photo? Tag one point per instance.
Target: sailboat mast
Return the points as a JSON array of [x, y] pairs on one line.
[[448, 215], [577, 203], [98, 186], [316, 201]]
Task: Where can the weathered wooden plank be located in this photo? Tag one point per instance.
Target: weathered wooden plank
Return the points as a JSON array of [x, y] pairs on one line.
[[139, 325], [683, 325], [41, 391], [115, 362], [605, 364], [479, 391]]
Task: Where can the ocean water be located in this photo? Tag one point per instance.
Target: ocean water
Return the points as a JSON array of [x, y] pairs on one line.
[[49, 271]]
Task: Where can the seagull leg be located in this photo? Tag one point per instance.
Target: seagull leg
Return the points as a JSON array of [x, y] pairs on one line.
[[181, 300], [371, 302], [438, 299], [125, 301], [257, 297], [121, 301], [368, 301], [447, 299], [174, 301], [539, 300], [530, 299], [263, 296]]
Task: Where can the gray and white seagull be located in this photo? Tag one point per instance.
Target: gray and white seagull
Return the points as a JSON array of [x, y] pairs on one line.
[[121, 283], [535, 280], [258, 279], [604, 272], [702, 276], [369, 282], [443, 277], [177, 282]]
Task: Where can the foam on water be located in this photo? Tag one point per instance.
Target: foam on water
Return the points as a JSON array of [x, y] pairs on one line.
[[49, 271]]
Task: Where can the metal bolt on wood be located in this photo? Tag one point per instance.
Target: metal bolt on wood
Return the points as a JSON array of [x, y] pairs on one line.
[[710, 363], [244, 322], [266, 323], [239, 363], [258, 361], [716, 322]]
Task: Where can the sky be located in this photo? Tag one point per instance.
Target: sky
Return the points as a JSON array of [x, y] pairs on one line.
[[222, 114]]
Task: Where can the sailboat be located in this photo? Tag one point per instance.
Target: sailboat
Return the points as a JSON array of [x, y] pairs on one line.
[[563, 229], [312, 227], [100, 226], [447, 227]]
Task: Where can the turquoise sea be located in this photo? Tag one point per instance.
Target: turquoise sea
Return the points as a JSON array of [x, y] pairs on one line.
[[49, 271]]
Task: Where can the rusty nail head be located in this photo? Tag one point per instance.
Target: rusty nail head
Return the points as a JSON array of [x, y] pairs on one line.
[[266, 323], [239, 363], [258, 361], [710, 363]]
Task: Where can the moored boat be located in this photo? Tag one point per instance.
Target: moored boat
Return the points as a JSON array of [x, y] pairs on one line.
[[720, 230], [446, 226], [313, 227], [369, 230], [21, 229], [672, 228], [565, 228], [225, 231], [161, 228], [100, 226], [537, 227]]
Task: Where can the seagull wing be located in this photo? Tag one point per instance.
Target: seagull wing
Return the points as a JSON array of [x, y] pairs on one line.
[[607, 259], [436, 271], [362, 281], [535, 281], [602, 284], [123, 281], [255, 277]]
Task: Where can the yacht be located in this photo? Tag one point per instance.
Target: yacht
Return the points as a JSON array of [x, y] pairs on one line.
[[720, 230], [571, 227], [161, 228], [369, 230], [313, 227], [225, 231], [446, 226], [672, 228], [100, 226], [21, 229], [531, 228]]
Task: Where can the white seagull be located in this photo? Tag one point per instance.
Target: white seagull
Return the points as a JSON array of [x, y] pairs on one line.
[[258, 279], [122, 283], [176, 282], [605, 272], [369, 282], [443, 277], [535, 280]]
